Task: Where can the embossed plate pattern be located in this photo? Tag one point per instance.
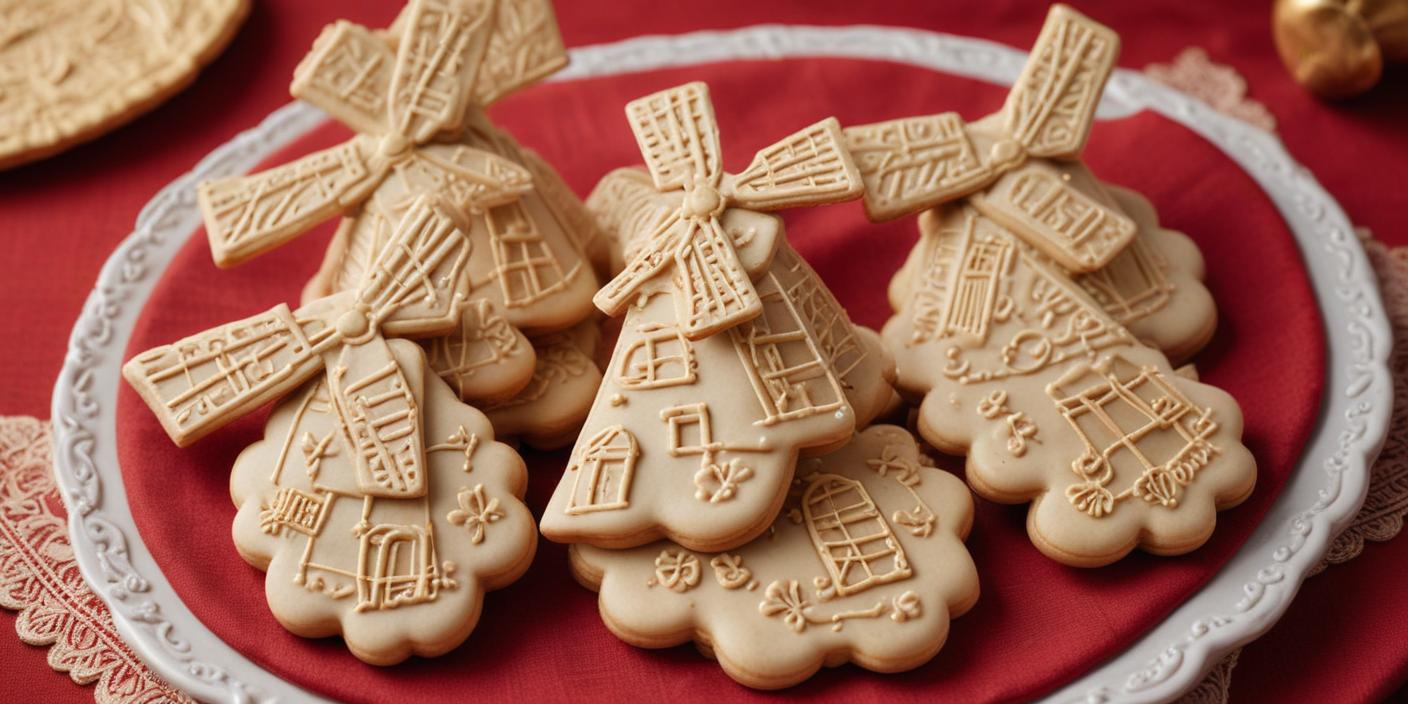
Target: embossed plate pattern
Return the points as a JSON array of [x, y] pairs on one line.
[[1240, 603]]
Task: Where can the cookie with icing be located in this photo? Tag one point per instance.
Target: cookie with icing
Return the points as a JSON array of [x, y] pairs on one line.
[[379, 504], [394, 576], [865, 564], [415, 94], [733, 357], [1055, 403]]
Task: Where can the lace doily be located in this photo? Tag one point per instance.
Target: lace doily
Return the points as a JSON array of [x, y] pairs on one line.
[[39, 579], [1215, 84]]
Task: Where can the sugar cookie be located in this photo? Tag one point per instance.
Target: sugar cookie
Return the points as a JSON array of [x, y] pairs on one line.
[[866, 564], [392, 576], [1055, 403], [733, 357]]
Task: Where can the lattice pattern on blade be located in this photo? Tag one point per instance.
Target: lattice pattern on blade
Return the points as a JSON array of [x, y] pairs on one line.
[[525, 46], [248, 215], [200, 383], [380, 420], [416, 284], [678, 135], [652, 259], [1050, 109], [715, 292], [348, 74], [807, 167], [438, 56], [915, 163], [1058, 213]]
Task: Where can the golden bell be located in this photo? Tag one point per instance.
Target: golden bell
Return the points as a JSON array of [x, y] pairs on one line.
[[1337, 48]]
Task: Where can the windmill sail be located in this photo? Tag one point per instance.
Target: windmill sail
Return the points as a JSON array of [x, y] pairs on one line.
[[438, 55], [678, 136], [348, 74], [915, 163], [1050, 109], [805, 168], [525, 46], [198, 384], [248, 215]]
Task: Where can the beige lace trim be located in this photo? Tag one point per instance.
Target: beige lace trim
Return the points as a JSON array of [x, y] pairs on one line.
[[1215, 84], [38, 578]]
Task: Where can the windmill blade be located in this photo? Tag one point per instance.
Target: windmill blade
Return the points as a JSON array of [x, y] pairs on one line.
[[480, 179], [651, 259], [678, 135], [377, 404], [1052, 105], [249, 215], [1063, 212], [525, 46], [714, 292], [417, 283], [348, 74], [200, 383], [808, 167], [438, 54], [915, 163]]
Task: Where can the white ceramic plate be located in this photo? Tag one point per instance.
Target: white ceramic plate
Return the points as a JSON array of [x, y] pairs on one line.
[[1240, 603]]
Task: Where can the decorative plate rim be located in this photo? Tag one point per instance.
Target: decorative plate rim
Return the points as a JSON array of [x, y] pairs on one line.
[[1241, 602]]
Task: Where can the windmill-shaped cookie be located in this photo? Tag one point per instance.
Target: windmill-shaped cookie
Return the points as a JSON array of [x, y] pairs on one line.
[[1018, 167], [351, 542], [413, 95], [733, 357], [1017, 366]]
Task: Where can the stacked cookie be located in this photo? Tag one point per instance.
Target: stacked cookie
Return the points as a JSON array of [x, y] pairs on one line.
[[1035, 322], [725, 488], [1036, 318], [379, 502]]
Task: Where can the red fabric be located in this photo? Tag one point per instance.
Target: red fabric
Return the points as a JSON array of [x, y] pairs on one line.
[[60, 218]]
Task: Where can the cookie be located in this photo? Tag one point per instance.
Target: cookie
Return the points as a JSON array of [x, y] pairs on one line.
[[865, 564], [72, 70], [1055, 403], [382, 534], [548, 412], [393, 576], [706, 404], [421, 131], [1154, 287]]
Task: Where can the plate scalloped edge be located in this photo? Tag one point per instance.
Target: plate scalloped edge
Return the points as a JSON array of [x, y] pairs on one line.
[[1242, 601]]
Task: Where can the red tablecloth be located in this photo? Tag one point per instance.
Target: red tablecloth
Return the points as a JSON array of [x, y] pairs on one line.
[[63, 216]]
